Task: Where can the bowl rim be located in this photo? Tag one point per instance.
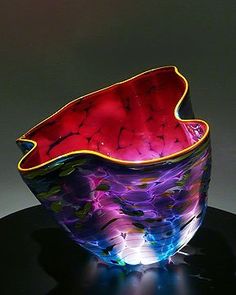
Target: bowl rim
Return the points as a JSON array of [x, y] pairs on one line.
[[22, 138]]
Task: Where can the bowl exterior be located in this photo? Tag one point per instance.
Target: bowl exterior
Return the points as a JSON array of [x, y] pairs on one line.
[[126, 214]]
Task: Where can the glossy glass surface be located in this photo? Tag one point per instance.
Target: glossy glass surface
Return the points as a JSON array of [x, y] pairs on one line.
[[132, 121], [120, 171]]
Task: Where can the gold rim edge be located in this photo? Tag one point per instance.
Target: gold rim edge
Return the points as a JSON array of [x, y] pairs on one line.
[[111, 159]]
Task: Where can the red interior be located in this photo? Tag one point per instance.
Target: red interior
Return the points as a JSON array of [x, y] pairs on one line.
[[131, 121]]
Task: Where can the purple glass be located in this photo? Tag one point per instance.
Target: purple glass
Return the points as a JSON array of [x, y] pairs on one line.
[[124, 170]]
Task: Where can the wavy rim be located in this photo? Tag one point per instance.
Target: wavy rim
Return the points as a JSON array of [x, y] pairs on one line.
[[116, 160]]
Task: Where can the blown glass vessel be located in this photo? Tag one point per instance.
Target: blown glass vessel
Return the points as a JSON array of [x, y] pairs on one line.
[[124, 170]]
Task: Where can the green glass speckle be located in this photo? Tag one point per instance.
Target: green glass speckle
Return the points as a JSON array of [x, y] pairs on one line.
[[83, 212], [66, 172], [102, 187], [74, 164], [53, 190], [183, 180], [79, 162], [56, 207], [143, 186], [120, 262], [133, 213], [43, 171]]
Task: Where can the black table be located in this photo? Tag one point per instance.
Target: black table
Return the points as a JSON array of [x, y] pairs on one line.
[[37, 257]]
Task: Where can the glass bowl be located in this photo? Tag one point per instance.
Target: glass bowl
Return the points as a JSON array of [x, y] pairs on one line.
[[125, 169]]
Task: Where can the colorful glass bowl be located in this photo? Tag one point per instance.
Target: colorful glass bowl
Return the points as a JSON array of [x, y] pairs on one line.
[[124, 170]]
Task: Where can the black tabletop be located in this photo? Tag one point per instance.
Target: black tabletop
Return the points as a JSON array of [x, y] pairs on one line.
[[37, 257]]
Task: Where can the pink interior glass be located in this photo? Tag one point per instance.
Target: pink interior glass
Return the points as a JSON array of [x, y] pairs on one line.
[[131, 121]]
